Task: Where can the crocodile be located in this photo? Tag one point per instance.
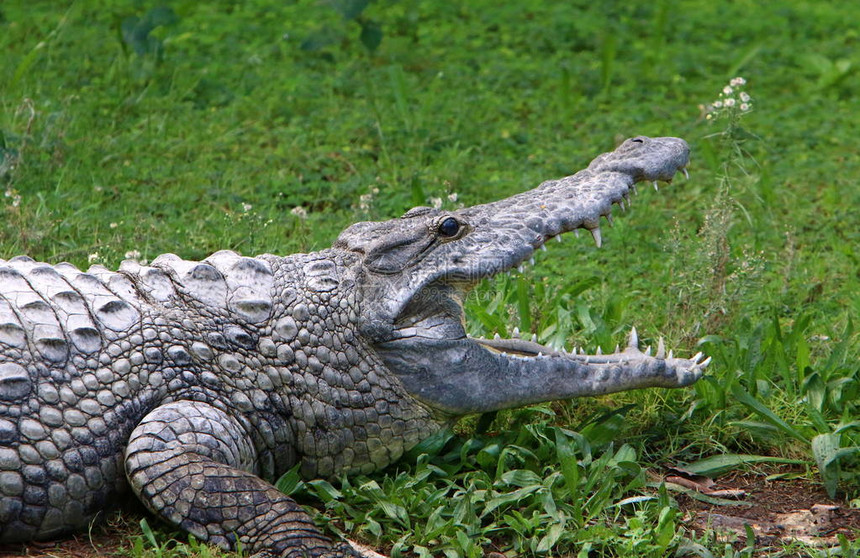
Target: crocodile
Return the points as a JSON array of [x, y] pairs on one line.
[[194, 385]]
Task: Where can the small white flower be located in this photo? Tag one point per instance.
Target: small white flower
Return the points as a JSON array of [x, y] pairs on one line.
[[744, 97], [132, 255], [717, 104], [374, 190], [738, 81], [436, 203], [246, 207], [113, 225], [745, 107], [730, 102], [299, 212], [93, 258], [727, 90], [452, 197]]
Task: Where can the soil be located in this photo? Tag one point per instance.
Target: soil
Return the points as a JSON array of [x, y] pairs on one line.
[[779, 511]]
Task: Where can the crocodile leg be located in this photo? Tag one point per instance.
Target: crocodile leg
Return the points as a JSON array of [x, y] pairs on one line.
[[193, 465]]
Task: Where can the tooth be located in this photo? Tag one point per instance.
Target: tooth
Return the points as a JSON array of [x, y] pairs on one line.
[[576, 232], [609, 218], [686, 174], [497, 336], [599, 350], [534, 337], [540, 354], [596, 234], [661, 349], [543, 247], [617, 348], [564, 349], [520, 268], [671, 354], [558, 238], [648, 351], [516, 332], [621, 205], [504, 354], [656, 188], [587, 357], [633, 341], [705, 362], [531, 262], [696, 357], [635, 191]]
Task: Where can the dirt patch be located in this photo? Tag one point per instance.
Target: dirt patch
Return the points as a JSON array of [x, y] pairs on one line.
[[778, 511]]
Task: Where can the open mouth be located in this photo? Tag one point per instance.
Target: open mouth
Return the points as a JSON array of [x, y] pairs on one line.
[[439, 364]]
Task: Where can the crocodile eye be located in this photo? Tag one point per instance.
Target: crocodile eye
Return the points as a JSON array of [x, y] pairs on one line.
[[449, 227]]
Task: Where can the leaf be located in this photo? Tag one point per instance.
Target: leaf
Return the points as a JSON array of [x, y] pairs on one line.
[[349, 9], [371, 35], [290, 482], [824, 448], [718, 464], [759, 407]]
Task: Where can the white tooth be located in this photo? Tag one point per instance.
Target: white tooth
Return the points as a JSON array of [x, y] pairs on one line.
[[543, 247], [633, 341], [534, 337], [609, 219], [520, 268], [564, 349], [516, 332], [540, 354], [504, 354], [696, 357], [596, 234], [686, 174], [661, 349], [656, 188], [635, 191], [648, 351], [621, 205], [705, 362], [576, 232], [587, 359], [617, 349], [558, 238], [497, 336], [599, 350], [531, 262], [671, 354]]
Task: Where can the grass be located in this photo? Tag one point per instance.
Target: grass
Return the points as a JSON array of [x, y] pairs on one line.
[[127, 126]]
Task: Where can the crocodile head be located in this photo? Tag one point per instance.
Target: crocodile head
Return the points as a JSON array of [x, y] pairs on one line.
[[415, 272]]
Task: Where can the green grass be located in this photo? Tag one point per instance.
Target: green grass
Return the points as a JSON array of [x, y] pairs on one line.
[[125, 126]]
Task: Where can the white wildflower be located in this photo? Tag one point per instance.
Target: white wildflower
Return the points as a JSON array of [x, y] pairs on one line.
[[436, 203], [93, 258], [727, 90], [246, 207], [132, 255], [745, 107], [737, 81], [745, 98], [299, 212], [717, 104], [374, 190], [113, 225], [452, 197], [730, 102]]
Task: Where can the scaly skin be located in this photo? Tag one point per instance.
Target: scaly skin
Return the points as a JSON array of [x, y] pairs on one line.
[[196, 384]]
